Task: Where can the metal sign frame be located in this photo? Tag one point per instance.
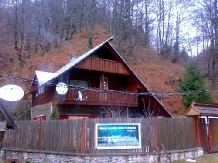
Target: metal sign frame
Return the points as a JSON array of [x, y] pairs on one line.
[[118, 136]]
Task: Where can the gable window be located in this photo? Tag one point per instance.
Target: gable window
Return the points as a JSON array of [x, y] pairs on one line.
[[79, 83], [41, 89]]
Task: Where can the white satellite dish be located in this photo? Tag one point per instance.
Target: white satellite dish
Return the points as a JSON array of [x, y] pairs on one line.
[[11, 92], [61, 88]]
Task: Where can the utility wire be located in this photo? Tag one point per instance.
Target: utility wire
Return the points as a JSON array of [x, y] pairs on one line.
[[165, 95]]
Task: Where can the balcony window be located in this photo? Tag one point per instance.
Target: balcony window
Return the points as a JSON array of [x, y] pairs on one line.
[[104, 85], [79, 83]]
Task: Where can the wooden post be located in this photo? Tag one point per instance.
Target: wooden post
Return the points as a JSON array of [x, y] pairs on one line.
[[102, 81], [198, 131], [83, 140], [156, 134], [39, 135], [209, 136]]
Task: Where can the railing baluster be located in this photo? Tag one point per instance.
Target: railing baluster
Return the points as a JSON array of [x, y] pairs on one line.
[[109, 98], [104, 64]]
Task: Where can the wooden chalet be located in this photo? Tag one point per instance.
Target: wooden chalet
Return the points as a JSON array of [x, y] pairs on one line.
[[100, 84]]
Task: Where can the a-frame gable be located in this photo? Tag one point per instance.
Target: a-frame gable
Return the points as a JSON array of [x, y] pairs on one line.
[[192, 112], [108, 47], [145, 90]]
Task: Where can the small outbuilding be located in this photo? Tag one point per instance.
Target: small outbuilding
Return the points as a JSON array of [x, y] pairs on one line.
[[203, 109], [206, 115]]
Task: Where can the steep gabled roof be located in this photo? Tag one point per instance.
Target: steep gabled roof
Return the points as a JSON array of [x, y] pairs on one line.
[[202, 109], [79, 59], [87, 54], [43, 77]]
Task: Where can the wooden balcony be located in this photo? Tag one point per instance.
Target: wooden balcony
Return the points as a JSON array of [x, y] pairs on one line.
[[97, 98], [105, 65]]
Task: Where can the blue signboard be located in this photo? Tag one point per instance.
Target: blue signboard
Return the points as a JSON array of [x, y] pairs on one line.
[[118, 136]]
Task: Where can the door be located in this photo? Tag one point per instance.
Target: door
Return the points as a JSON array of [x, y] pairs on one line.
[[104, 86]]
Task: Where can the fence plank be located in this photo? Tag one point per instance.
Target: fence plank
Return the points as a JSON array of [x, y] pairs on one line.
[[176, 133], [214, 132]]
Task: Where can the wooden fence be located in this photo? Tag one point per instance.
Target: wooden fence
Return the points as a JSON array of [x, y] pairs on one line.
[[78, 136], [208, 135], [177, 133]]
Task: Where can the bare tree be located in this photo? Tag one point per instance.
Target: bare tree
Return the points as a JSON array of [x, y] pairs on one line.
[[146, 111], [90, 15], [113, 111], [206, 19]]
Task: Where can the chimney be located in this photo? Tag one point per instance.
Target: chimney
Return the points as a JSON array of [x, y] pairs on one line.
[[72, 57]]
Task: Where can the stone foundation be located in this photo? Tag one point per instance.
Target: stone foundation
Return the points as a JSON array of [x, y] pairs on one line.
[[53, 157]]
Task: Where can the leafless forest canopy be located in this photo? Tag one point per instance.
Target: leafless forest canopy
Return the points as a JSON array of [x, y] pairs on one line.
[[173, 29]]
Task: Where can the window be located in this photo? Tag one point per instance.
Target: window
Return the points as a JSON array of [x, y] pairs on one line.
[[41, 89], [79, 83]]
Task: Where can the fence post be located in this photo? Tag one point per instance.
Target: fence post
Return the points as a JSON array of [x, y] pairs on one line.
[[156, 134], [198, 131], [39, 135], [209, 136], [83, 140]]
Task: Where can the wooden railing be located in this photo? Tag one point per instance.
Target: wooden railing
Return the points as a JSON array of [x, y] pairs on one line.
[[106, 65], [92, 97]]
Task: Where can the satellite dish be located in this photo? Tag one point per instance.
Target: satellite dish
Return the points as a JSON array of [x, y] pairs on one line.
[[11, 92], [61, 88]]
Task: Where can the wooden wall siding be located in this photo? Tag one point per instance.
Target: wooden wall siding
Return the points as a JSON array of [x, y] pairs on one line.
[[43, 98], [213, 125], [203, 134], [66, 135], [99, 98], [106, 65], [176, 133], [204, 137]]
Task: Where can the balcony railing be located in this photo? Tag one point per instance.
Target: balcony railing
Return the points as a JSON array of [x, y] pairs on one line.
[[97, 97], [106, 65]]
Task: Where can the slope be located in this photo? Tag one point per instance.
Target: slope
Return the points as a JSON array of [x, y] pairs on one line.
[[160, 76]]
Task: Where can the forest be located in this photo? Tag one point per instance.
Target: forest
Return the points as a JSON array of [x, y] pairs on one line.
[[170, 27], [34, 26]]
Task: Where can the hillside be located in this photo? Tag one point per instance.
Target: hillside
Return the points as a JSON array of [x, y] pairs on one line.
[[159, 75]]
